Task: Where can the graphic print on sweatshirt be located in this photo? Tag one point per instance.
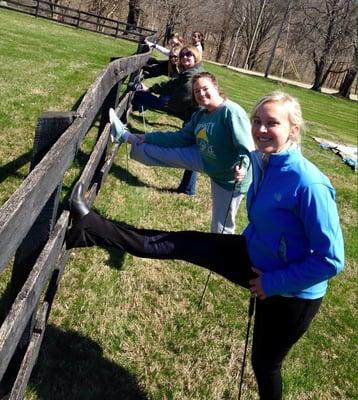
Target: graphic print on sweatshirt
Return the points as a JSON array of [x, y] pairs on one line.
[[203, 133]]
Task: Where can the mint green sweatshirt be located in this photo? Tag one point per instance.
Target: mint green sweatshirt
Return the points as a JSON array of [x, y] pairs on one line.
[[222, 137]]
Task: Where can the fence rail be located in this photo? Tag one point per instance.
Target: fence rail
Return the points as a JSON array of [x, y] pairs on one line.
[[29, 228], [79, 19]]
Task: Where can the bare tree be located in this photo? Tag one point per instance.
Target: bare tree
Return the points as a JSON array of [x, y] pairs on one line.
[[227, 20], [350, 76], [347, 82], [133, 14], [173, 16], [284, 19], [328, 29], [313, 39], [262, 18], [233, 53]]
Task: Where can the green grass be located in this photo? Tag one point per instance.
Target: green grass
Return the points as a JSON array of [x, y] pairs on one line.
[[44, 67], [128, 328]]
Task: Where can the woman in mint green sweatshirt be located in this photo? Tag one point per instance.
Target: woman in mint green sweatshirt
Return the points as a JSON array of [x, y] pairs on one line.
[[214, 141]]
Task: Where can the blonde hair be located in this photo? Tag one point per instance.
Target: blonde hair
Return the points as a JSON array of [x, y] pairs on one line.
[[194, 50], [177, 36], [175, 50], [291, 105]]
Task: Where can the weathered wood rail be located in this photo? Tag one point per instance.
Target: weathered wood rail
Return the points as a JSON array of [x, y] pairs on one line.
[[32, 235], [79, 19]]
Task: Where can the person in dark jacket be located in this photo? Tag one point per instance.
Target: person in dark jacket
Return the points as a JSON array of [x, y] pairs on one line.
[[168, 67], [156, 67], [175, 95], [175, 98]]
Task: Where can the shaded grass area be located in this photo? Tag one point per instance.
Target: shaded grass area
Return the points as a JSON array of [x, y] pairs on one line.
[[128, 328]]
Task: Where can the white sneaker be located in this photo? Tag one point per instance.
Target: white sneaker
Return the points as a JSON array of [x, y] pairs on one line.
[[117, 127]]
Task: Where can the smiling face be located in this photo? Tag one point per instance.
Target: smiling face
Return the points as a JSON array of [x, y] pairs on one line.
[[206, 93], [174, 41], [196, 37], [187, 58], [272, 129], [173, 58]]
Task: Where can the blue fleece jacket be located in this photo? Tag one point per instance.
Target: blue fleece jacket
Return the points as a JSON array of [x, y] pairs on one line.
[[294, 235]]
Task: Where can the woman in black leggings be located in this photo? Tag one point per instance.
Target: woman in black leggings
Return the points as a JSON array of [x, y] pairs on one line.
[[292, 245]]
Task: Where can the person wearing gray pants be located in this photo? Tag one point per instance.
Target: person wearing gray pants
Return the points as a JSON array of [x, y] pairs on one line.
[[215, 140]]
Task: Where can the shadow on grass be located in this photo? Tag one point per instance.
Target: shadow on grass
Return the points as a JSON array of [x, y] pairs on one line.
[[125, 176], [116, 257], [71, 366], [11, 167], [151, 122]]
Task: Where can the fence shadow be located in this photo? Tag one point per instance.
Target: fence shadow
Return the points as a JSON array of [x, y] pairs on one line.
[[72, 366], [11, 167], [125, 176], [153, 124]]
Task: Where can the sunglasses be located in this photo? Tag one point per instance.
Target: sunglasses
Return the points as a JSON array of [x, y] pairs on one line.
[[173, 56], [187, 54]]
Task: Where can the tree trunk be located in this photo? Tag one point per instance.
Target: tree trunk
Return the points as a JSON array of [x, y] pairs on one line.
[[345, 87], [220, 49], [277, 38], [133, 15], [317, 84]]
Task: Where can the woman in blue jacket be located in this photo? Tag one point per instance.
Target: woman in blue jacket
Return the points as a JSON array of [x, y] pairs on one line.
[[292, 245]]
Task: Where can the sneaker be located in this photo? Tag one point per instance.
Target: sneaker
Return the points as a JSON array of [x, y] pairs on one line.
[[117, 127]]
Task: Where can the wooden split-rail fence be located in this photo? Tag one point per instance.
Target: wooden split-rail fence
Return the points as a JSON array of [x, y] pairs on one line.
[[31, 232], [78, 18]]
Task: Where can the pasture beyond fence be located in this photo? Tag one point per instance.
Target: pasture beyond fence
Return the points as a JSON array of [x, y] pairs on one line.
[[79, 19], [31, 234]]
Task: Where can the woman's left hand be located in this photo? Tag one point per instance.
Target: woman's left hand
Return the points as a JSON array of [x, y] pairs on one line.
[[255, 285]]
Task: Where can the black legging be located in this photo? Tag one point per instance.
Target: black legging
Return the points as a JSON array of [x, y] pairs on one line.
[[279, 321], [224, 254]]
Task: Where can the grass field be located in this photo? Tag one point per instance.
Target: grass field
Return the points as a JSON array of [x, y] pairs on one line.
[[128, 328]]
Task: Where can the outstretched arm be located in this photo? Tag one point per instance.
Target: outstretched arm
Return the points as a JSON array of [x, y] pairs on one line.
[[161, 49]]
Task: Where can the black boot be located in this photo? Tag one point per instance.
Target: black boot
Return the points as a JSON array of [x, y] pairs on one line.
[[78, 205]]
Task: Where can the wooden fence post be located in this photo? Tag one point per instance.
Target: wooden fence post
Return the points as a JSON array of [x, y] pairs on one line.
[[50, 126], [117, 27], [78, 19], [37, 8], [142, 48]]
